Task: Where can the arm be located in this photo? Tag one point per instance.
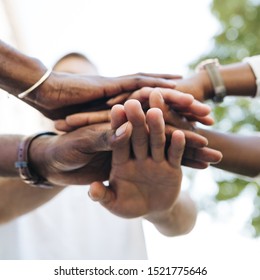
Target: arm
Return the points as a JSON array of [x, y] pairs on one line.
[[241, 154], [71, 158], [146, 183], [74, 158], [239, 80], [18, 198], [62, 94]]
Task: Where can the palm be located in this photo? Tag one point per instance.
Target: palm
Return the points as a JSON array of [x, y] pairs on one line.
[[143, 186], [146, 175]]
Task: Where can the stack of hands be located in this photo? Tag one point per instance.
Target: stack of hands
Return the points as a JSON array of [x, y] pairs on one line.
[[138, 145], [133, 131]]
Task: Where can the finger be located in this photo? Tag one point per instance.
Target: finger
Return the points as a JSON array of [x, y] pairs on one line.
[[100, 193], [194, 164], [192, 139], [121, 145], [176, 149], [163, 76], [119, 99], [170, 96], [118, 116], [137, 81], [139, 139], [199, 109], [205, 154], [62, 125], [87, 118], [156, 100], [207, 120], [155, 121], [195, 107]]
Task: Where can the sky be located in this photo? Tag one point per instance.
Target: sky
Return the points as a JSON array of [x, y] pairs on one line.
[[119, 36], [124, 37]]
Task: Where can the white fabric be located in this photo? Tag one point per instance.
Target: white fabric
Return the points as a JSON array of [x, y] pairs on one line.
[[254, 62], [71, 226]]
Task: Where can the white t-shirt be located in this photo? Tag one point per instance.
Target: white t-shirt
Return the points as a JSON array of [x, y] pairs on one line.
[[71, 226], [254, 62]]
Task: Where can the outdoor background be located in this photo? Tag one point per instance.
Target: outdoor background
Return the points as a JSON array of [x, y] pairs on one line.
[[166, 36]]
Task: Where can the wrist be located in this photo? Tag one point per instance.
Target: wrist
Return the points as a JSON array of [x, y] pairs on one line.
[[50, 94], [162, 220], [197, 85], [180, 219], [31, 161], [44, 95], [205, 85], [20, 75], [218, 90]]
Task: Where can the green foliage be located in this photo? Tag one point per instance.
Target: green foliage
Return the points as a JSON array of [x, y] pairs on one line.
[[255, 221], [239, 32], [230, 189], [238, 37]]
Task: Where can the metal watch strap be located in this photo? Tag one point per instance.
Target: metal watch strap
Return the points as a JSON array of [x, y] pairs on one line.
[[23, 164], [212, 68]]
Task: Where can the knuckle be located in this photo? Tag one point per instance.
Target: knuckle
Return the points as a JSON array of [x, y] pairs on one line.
[[139, 141]]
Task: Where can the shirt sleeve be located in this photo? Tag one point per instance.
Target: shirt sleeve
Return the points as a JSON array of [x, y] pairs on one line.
[[254, 62]]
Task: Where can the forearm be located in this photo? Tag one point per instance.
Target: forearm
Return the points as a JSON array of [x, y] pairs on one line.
[[179, 220], [241, 154], [238, 78], [18, 72], [18, 198], [8, 156]]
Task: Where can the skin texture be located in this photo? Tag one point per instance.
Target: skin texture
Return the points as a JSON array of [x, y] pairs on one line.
[[245, 162], [76, 158], [147, 181], [196, 154], [199, 84], [65, 93], [240, 153], [178, 101]]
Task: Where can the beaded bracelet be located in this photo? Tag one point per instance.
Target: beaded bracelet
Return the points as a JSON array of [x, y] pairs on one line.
[[23, 164], [38, 83]]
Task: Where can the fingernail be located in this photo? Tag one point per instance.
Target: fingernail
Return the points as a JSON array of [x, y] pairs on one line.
[[121, 130]]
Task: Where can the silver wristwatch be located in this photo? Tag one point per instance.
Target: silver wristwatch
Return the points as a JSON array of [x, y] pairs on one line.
[[212, 68]]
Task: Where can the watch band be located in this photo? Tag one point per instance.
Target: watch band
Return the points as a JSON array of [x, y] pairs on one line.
[[23, 165], [254, 62], [212, 68]]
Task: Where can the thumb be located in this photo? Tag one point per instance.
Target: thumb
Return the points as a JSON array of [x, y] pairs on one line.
[[100, 193]]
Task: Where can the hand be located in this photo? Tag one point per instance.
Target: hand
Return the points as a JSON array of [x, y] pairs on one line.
[[196, 155], [150, 181], [177, 101], [198, 84], [64, 94], [182, 103], [79, 157]]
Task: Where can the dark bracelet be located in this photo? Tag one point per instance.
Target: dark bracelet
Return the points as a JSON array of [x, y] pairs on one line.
[[23, 165]]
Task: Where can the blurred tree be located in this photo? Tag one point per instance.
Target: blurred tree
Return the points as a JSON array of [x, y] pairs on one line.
[[239, 36]]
